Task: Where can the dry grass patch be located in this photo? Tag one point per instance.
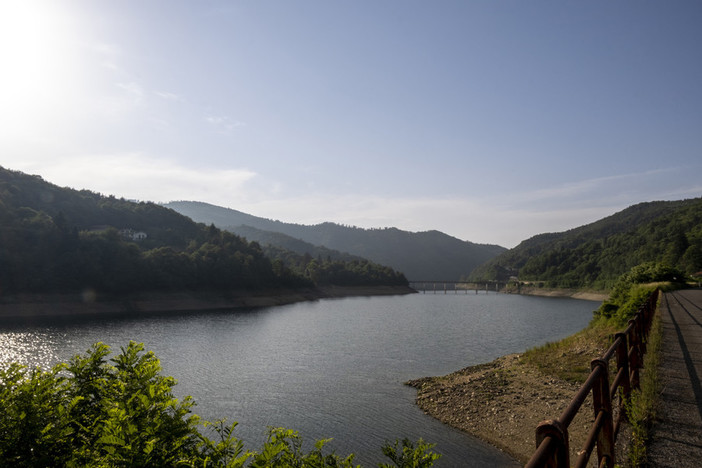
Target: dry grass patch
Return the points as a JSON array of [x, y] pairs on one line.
[[569, 359]]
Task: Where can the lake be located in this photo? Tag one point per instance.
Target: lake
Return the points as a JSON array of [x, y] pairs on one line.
[[333, 368]]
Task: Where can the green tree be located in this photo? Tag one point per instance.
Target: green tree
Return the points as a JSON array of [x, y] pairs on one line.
[[405, 455], [121, 412]]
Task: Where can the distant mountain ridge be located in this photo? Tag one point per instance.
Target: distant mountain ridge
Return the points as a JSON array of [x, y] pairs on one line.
[[430, 255], [596, 254], [283, 241]]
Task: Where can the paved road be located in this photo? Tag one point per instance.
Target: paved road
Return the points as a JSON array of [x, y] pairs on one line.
[[677, 431]]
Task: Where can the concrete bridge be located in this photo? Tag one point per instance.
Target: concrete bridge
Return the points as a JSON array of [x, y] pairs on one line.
[[456, 287]]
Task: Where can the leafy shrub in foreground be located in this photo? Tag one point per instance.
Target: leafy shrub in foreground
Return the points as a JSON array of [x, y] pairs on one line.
[[91, 412]]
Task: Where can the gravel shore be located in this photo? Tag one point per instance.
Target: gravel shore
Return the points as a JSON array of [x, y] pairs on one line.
[[502, 403]]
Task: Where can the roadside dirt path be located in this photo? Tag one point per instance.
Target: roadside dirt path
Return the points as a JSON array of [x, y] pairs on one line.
[[677, 432]]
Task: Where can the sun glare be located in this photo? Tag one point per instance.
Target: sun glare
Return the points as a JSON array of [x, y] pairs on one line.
[[33, 60]]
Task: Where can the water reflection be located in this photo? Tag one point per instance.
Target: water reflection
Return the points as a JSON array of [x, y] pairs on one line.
[[30, 348]]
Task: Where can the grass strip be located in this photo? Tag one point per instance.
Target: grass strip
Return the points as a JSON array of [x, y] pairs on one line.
[[644, 402], [569, 359]]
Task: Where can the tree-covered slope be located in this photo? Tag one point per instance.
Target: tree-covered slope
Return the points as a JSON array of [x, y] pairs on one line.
[[55, 239], [291, 244], [322, 265], [430, 255], [595, 255]]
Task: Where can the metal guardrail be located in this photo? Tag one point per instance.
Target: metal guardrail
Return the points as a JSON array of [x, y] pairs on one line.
[[629, 346]]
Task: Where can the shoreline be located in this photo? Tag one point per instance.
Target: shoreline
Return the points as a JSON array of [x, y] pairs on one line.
[[90, 304], [501, 403], [598, 296]]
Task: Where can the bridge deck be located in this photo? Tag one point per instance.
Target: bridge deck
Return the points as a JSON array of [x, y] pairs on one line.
[[677, 431]]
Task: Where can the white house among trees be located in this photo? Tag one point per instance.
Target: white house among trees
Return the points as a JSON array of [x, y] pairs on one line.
[[132, 234]]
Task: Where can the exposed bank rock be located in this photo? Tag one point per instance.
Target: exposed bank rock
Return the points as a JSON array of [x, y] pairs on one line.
[[502, 402]]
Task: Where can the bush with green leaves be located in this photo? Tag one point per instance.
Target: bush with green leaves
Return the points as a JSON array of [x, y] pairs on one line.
[[121, 412], [633, 288], [406, 455]]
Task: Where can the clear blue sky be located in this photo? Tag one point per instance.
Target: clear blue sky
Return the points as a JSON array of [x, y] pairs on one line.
[[491, 121]]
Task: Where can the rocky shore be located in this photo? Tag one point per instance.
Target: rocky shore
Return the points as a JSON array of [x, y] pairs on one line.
[[561, 292], [501, 403], [89, 303]]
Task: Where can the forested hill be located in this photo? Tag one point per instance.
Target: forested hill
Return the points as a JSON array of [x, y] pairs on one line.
[[55, 239], [419, 255], [283, 242], [596, 254]]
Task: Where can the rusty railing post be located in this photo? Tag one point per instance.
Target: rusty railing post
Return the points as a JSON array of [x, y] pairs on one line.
[[625, 384], [559, 433], [641, 318], [623, 362], [603, 404], [634, 354]]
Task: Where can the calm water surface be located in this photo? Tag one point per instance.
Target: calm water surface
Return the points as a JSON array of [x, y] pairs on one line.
[[332, 368]]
